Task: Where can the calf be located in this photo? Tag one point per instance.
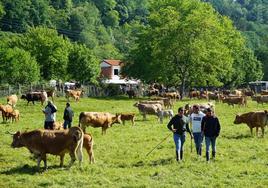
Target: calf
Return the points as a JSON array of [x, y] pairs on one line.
[[253, 119], [98, 119], [55, 142], [164, 113], [127, 117], [88, 145], [6, 111], [76, 94], [15, 115]]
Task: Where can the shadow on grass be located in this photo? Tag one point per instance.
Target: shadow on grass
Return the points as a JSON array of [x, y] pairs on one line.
[[162, 162], [240, 136], [26, 169]]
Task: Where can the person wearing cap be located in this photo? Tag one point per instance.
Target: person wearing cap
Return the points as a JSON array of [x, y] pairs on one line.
[[195, 121], [50, 115], [210, 127], [68, 116], [179, 125]]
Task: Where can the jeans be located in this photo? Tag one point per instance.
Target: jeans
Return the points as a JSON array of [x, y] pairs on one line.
[[66, 122], [179, 141], [198, 139], [211, 140]]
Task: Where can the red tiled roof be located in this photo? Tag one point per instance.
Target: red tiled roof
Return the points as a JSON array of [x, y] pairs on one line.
[[112, 62]]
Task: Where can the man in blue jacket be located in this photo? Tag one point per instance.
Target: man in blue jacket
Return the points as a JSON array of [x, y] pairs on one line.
[[210, 127]]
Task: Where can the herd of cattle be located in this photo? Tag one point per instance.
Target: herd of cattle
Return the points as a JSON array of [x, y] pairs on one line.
[[60, 141]]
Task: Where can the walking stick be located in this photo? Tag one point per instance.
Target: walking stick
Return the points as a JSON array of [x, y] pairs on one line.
[[191, 145], [157, 145]]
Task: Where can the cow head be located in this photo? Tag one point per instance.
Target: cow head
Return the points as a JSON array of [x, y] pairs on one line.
[[117, 119], [238, 119], [17, 141], [23, 96]]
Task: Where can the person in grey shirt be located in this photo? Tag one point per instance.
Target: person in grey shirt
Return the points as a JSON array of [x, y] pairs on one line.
[[50, 115]]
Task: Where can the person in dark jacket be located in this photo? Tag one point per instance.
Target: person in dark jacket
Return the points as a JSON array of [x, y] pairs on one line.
[[179, 125], [68, 116], [210, 127]]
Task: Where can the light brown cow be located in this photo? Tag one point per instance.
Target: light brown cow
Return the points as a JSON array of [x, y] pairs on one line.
[[98, 119], [88, 145], [15, 115], [12, 100], [76, 94], [6, 111], [55, 142], [128, 117], [172, 95], [253, 119]]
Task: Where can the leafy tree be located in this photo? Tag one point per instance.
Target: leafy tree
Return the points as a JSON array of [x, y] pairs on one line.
[[50, 50], [83, 66], [186, 43], [18, 66]]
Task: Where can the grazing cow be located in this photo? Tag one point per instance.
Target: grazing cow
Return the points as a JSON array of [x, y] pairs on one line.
[[253, 119], [15, 115], [55, 142], [12, 100], [148, 109], [172, 95], [98, 119], [127, 117], [88, 145], [35, 96], [76, 94], [242, 101], [260, 99], [6, 111], [165, 113]]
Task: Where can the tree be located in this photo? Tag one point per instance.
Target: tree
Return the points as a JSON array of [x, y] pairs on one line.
[[18, 66], [83, 66], [185, 43], [50, 50]]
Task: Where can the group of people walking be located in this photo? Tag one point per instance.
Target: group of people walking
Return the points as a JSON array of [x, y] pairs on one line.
[[50, 115], [202, 125]]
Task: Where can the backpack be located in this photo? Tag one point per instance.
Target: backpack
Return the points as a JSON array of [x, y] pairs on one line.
[[53, 108]]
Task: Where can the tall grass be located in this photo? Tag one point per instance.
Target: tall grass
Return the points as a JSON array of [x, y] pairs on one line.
[[121, 161]]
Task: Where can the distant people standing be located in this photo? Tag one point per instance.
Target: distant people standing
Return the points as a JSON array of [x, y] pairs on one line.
[[178, 125], [210, 126], [68, 116], [195, 120], [50, 115]]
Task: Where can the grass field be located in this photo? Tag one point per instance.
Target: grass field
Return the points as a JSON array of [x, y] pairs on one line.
[[241, 160]]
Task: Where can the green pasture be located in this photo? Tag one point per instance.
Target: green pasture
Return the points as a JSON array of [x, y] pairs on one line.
[[241, 160]]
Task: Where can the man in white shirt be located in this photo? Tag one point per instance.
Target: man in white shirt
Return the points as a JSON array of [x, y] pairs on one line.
[[195, 121]]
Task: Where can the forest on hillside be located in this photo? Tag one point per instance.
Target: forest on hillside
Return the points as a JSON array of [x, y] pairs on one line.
[[66, 39]]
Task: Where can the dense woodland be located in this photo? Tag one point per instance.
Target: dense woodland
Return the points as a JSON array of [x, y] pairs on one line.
[[187, 42]]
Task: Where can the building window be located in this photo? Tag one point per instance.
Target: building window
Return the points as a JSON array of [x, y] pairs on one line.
[[116, 72]]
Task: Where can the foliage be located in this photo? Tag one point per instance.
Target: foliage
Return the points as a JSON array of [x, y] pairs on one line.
[[187, 43], [18, 66], [83, 65], [50, 50]]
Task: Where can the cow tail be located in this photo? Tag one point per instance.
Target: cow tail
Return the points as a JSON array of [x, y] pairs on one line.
[[79, 137], [82, 114]]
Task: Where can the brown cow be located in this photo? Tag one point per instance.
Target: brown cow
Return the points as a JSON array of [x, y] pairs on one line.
[[55, 142], [15, 115], [76, 94], [87, 143], [148, 109], [253, 119], [98, 119], [128, 116], [172, 95], [260, 99], [12, 100], [242, 101]]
